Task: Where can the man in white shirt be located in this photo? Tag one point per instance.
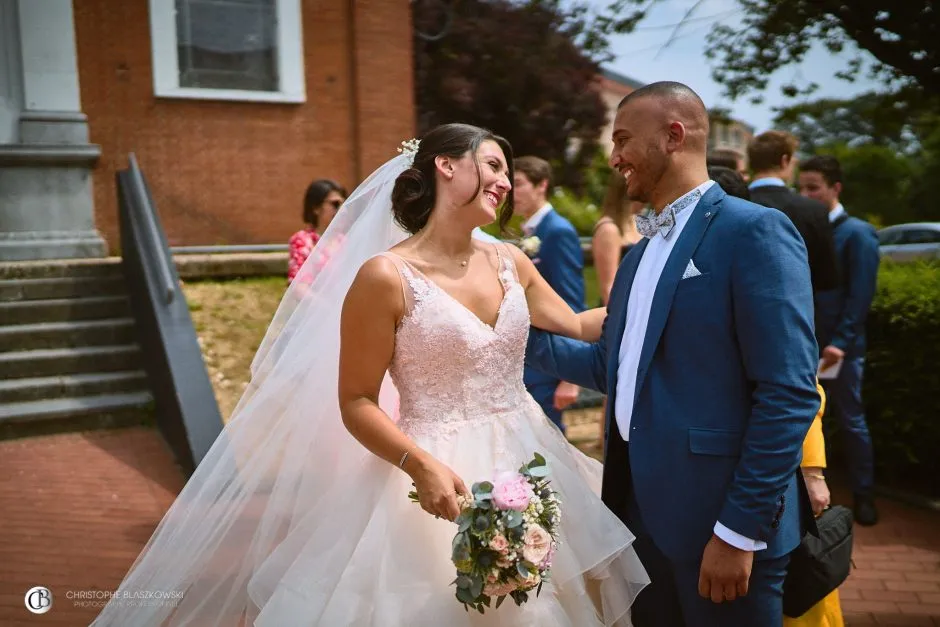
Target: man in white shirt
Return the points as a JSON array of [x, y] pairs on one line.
[[709, 361], [840, 327], [552, 243]]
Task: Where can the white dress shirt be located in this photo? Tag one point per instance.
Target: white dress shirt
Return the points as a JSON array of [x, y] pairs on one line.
[[529, 226], [836, 211], [638, 312]]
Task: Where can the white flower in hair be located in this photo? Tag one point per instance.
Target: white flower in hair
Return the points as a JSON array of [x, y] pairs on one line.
[[410, 148]]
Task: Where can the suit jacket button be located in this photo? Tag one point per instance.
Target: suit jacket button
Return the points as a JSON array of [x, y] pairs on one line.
[[775, 524]]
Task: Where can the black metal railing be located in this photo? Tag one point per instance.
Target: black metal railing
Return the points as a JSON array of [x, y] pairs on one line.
[[186, 410]]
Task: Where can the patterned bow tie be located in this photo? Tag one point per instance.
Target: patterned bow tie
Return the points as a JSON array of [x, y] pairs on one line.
[[665, 220]]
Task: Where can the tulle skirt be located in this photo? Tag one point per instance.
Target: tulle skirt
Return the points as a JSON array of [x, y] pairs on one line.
[[368, 556], [290, 521]]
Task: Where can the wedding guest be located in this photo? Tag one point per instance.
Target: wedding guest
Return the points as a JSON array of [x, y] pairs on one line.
[[614, 234], [773, 161], [552, 243], [828, 612], [729, 180], [321, 202], [727, 159], [840, 325]]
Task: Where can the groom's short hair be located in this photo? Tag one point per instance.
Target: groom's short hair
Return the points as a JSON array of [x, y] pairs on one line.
[[535, 169], [663, 89]]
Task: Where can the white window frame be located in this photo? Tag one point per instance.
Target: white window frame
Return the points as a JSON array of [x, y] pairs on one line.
[[290, 58]]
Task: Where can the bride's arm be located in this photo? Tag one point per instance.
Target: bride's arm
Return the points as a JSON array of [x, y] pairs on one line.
[[548, 311], [373, 307]]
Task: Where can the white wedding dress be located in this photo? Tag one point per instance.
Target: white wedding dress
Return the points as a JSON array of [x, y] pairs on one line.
[[379, 559], [289, 521]]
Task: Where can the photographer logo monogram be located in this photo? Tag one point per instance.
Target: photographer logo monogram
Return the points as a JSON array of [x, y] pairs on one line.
[[38, 600]]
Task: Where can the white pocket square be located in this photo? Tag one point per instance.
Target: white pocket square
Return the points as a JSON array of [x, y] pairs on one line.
[[691, 271]]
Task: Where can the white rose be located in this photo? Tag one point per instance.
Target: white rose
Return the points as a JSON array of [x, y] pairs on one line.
[[538, 542]]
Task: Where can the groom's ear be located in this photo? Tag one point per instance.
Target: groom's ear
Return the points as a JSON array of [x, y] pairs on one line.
[[676, 134]]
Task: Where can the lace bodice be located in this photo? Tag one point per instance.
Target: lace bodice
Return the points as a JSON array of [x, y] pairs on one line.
[[451, 369]]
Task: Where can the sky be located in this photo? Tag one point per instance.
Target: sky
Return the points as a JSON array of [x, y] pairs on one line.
[[640, 55]]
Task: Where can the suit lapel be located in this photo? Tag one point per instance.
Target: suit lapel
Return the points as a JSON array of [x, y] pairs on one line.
[[682, 252]]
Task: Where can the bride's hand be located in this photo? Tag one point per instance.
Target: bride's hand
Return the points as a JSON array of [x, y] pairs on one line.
[[437, 487]]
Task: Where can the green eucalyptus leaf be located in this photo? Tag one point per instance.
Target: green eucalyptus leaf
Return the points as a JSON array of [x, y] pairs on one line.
[[476, 586]]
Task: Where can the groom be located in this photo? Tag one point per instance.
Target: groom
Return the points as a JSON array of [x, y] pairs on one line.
[[709, 361]]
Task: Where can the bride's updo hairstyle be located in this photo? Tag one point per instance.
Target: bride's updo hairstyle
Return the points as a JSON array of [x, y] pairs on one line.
[[416, 188]]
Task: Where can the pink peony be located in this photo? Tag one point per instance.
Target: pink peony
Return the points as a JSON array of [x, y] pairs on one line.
[[500, 544], [537, 543], [512, 491]]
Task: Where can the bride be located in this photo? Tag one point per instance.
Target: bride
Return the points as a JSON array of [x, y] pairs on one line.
[[290, 521]]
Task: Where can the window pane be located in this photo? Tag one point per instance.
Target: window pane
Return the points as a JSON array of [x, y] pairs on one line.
[[227, 44]]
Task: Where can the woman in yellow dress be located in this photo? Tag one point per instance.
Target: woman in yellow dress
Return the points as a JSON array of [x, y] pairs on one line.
[[828, 612]]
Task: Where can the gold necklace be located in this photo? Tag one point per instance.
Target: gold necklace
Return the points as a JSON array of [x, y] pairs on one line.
[[462, 262]]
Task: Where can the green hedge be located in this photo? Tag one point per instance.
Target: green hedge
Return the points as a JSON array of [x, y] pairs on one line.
[[902, 377]]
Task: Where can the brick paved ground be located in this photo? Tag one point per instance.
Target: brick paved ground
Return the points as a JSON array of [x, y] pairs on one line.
[[77, 508]]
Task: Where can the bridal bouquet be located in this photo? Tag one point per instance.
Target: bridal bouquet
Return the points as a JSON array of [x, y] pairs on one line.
[[505, 537]]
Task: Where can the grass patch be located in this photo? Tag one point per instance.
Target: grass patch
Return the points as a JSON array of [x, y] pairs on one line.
[[231, 318]]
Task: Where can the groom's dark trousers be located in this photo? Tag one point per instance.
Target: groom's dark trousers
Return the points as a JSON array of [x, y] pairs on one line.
[[661, 604]]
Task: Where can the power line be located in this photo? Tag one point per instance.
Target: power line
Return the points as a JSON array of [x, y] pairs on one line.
[[715, 17]]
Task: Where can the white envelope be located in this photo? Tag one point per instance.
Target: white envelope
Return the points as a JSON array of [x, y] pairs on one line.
[[829, 373]]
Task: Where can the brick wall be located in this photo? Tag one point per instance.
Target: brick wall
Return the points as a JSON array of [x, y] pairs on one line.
[[233, 172]]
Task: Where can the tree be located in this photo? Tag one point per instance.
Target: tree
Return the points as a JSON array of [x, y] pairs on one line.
[[924, 193], [525, 70], [902, 35], [895, 120]]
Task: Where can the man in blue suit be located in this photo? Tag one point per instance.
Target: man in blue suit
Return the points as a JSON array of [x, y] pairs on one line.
[[708, 359], [553, 244], [840, 324]]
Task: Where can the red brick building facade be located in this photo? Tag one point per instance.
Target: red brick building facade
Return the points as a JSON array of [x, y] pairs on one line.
[[229, 172]]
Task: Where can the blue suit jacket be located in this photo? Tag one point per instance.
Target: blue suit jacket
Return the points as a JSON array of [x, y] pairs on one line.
[[561, 262], [726, 385], [841, 313]]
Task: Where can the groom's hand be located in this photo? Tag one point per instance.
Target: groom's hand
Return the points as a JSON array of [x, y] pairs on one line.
[[725, 571], [565, 395]]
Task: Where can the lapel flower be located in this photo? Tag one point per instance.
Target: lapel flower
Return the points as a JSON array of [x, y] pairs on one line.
[[530, 245]]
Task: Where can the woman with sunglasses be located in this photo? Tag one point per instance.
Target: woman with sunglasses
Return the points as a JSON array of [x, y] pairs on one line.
[[321, 202]]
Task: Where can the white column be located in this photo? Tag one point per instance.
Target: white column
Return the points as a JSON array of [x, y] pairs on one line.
[[50, 61], [46, 202], [51, 97]]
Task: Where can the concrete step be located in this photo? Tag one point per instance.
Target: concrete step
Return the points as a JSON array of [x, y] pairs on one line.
[[61, 268], [64, 309], [21, 337], [73, 414], [62, 361], [40, 289], [45, 388]]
